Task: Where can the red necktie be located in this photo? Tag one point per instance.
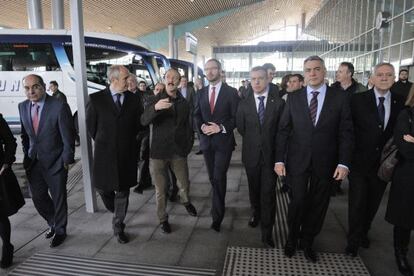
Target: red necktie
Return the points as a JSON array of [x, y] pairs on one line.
[[212, 98], [35, 117]]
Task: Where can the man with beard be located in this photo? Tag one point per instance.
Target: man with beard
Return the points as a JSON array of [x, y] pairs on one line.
[[403, 85], [171, 142], [215, 118]]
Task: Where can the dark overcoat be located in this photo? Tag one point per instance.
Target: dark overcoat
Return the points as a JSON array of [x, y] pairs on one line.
[[11, 198], [115, 145], [400, 203]]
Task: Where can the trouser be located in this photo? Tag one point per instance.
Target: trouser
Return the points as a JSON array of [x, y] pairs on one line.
[[116, 202], [54, 207], [5, 230], [158, 169], [308, 206], [365, 194], [144, 177], [217, 163], [401, 240], [262, 195]]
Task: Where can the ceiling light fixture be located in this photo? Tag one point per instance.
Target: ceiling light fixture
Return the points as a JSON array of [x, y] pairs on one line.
[[109, 27], [206, 27]]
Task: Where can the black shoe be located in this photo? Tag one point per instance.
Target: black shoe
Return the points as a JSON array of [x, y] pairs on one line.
[[290, 249], [268, 243], [215, 226], [7, 256], [49, 233], [191, 210], [57, 240], [122, 237], [310, 255], [253, 221], [77, 143], [365, 242], [138, 190], [351, 250], [165, 227], [173, 197], [199, 152], [403, 265]]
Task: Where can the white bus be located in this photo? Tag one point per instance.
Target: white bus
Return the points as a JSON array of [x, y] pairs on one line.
[[48, 53]]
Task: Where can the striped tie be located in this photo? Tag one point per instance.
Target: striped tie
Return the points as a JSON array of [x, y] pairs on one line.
[[313, 107], [261, 110]]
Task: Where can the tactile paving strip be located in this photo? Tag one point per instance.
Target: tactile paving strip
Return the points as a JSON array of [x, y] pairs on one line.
[[262, 262]]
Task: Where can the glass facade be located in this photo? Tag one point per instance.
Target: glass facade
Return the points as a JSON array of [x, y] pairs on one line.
[[345, 30]]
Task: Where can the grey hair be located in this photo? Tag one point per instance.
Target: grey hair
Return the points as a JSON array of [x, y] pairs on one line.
[[113, 72], [312, 58], [383, 64]]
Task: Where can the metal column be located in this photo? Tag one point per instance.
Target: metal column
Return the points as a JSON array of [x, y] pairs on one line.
[[34, 14], [58, 15], [171, 41], [78, 44]]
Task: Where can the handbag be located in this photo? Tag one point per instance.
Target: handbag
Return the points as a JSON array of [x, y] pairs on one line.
[[11, 198], [389, 160]]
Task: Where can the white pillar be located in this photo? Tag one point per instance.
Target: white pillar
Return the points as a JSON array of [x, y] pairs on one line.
[[171, 41], [58, 15], [79, 62], [34, 14]]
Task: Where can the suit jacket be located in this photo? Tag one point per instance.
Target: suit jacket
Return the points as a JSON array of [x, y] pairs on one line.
[[401, 89], [224, 113], [114, 133], [303, 146], [172, 133], [369, 136], [54, 144], [258, 140], [59, 95]]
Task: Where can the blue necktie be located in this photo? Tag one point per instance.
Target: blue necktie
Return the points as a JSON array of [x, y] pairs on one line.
[[118, 101], [381, 111], [261, 110]]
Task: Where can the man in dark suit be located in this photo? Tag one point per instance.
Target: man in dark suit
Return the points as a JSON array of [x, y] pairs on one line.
[[48, 138], [315, 142], [54, 87], [215, 117], [113, 122], [271, 73], [257, 121], [374, 114], [403, 85]]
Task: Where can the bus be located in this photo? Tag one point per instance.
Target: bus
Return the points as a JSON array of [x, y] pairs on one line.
[[48, 53]]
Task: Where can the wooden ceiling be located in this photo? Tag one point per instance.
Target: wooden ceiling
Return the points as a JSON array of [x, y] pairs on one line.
[[249, 19]]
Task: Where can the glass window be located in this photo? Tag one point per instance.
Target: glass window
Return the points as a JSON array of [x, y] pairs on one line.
[[407, 53], [28, 57], [396, 27]]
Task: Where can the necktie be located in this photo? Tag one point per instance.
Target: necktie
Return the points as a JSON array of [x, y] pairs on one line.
[[261, 110], [35, 117], [381, 111], [118, 101], [212, 98], [313, 107]]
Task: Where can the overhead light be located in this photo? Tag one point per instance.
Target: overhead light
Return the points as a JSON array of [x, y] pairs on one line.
[[191, 1], [109, 27], [206, 27]]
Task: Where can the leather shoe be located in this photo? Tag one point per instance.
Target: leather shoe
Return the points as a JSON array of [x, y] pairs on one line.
[[57, 240], [165, 227], [253, 221], [351, 250], [7, 256], [138, 190], [122, 237], [215, 226], [365, 242], [310, 254], [191, 210], [199, 152], [290, 249], [173, 197], [403, 265], [49, 233]]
